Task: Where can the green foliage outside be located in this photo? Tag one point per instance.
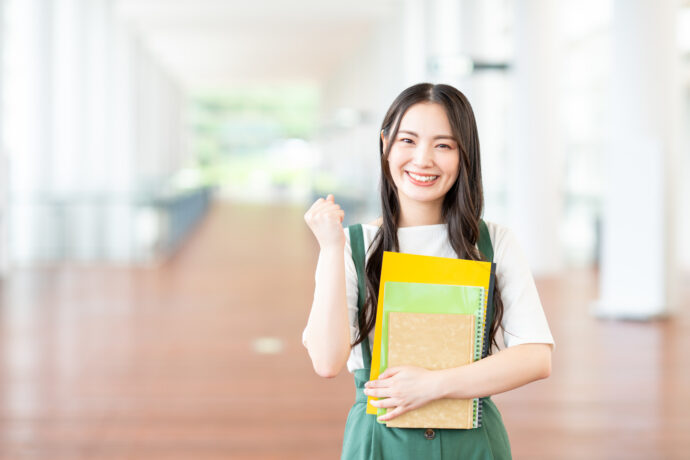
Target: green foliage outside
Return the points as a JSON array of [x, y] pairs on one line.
[[233, 130]]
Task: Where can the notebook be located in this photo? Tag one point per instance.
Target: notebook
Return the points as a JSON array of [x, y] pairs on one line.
[[433, 341], [413, 268], [426, 298]]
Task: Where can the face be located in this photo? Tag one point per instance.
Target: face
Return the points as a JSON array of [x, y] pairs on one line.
[[424, 156]]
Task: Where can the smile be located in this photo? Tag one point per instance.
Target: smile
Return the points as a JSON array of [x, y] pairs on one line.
[[421, 179]]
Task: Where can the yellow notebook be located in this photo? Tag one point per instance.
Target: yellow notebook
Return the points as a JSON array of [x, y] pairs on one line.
[[424, 269], [432, 341]]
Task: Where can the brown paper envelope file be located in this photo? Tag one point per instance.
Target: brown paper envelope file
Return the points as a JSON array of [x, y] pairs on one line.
[[432, 341]]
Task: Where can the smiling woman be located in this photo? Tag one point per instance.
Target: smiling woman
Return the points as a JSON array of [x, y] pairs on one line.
[[432, 204]]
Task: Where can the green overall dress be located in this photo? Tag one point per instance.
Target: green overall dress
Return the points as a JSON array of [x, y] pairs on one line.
[[366, 439]]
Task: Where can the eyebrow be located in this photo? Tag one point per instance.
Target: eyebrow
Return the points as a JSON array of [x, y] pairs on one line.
[[441, 136]]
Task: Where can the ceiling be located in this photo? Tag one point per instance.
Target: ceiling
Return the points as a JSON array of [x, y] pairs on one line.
[[219, 43]]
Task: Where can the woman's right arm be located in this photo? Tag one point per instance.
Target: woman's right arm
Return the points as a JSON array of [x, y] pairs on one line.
[[327, 335]]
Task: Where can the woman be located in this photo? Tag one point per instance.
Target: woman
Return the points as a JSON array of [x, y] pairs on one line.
[[432, 202]]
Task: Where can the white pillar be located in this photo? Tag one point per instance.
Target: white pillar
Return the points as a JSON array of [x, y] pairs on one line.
[[4, 214], [27, 139], [444, 35], [68, 107], [3, 160], [415, 13], [637, 264], [122, 149], [153, 165], [534, 171], [96, 134], [481, 38]]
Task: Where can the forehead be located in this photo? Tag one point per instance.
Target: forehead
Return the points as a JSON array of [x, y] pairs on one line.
[[426, 118]]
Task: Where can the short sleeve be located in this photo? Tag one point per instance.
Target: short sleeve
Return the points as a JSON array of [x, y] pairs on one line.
[[524, 320], [351, 289]]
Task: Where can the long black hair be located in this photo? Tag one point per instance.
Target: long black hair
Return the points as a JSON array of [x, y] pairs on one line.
[[462, 206]]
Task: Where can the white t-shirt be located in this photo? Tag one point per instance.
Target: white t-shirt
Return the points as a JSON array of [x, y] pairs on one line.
[[523, 316]]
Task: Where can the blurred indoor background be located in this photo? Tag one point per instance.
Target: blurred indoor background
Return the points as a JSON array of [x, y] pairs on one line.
[[157, 158]]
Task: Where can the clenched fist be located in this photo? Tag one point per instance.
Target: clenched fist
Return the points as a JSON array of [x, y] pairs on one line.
[[325, 219]]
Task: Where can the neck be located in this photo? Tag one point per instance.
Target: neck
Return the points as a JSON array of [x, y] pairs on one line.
[[415, 213]]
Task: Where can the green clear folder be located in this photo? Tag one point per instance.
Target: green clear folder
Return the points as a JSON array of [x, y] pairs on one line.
[[433, 298]]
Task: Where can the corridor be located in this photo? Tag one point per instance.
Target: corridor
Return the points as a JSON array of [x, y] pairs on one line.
[[200, 358]]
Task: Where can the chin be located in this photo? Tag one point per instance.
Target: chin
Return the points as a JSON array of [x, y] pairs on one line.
[[421, 196]]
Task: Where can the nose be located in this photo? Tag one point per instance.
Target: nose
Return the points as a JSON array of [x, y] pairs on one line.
[[423, 156]]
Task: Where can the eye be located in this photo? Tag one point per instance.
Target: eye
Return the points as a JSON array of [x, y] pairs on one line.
[[405, 139], [445, 146]]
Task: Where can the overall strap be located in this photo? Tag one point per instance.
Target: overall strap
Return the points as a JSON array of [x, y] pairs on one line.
[[484, 242], [487, 250], [358, 257]]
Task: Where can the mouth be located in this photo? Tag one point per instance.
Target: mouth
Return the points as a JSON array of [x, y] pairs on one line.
[[424, 180]]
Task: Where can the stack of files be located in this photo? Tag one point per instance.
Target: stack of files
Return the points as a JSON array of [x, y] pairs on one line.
[[434, 326], [431, 313]]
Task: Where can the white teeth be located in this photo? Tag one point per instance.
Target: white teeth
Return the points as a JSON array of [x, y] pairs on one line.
[[422, 178]]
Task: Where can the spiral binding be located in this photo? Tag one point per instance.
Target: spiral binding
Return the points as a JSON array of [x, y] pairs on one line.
[[479, 319], [488, 299], [479, 350]]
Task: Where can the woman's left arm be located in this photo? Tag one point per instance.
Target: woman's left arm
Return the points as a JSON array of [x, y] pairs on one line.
[[510, 368], [408, 387]]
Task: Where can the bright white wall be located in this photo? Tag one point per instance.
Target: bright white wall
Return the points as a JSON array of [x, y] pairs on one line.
[[683, 206], [639, 258], [3, 159], [570, 149], [683, 202], [96, 124]]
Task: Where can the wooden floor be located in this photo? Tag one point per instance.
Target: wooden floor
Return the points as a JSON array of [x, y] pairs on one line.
[[122, 363]]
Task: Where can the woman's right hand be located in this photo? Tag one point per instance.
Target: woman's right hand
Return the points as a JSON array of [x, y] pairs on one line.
[[325, 219]]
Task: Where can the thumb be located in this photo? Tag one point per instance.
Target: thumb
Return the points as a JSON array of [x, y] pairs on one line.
[[330, 197]]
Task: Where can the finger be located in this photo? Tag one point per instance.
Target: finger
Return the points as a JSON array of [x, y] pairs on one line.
[[378, 383], [391, 414], [335, 215], [320, 207], [315, 205], [324, 205], [385, 402], [330, 198], [377, 392], [330, 207]]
